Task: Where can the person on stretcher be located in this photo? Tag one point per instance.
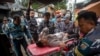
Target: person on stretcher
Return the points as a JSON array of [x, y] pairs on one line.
[[53, 40]]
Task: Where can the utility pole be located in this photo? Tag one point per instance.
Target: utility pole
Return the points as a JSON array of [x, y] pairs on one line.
[[73, 12], [28, 9]]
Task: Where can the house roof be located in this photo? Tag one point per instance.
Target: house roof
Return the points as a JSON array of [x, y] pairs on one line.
[[91, 5], [95, 7], [3, 1], [85, 3], [4, 6], [48, 1]]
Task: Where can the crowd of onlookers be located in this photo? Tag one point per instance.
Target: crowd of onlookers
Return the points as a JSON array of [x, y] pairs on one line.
[[60, 28]]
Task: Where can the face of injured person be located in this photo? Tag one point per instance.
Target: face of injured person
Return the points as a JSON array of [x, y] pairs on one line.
[[44, 41]]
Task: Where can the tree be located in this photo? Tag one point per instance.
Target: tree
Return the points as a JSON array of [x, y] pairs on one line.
[[60, 5], [36, 4]]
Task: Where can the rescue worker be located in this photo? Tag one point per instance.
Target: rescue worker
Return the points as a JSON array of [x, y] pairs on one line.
[[32, 24], [17, 34], [89, 45], [47, 23]]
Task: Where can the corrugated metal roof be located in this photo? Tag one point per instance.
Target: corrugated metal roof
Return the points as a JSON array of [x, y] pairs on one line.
[[3, 1], [4, 6]]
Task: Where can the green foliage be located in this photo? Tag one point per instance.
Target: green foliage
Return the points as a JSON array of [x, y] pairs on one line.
[[24, 2], [36, 5], [60, 5]]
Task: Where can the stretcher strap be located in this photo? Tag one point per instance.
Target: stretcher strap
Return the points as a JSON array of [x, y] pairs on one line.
[[78, 53]]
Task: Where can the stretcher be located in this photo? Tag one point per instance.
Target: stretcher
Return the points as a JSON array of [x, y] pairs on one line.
[[70, 44], [33, 50]]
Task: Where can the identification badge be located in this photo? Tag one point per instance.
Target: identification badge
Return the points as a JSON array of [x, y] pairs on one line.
[[84, 45]]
